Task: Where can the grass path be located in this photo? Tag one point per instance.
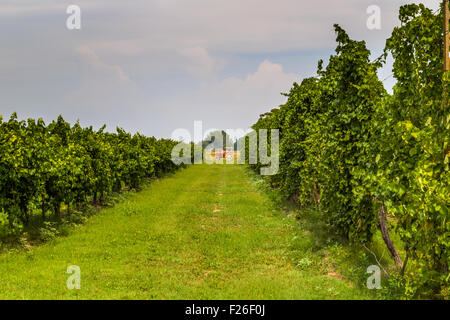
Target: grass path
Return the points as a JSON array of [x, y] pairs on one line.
[[204, 233]]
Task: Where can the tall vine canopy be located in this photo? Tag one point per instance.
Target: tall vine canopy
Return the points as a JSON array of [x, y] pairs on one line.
[[374, 162]]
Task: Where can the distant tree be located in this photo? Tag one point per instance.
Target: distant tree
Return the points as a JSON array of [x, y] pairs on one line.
[[217, 139]]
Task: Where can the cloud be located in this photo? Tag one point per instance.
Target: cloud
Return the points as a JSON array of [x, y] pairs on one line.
[[155, 65], [253, 94], [200, 63], [16, 8], [261, 87], [103, 87], [232, 102], [124, 48], [96, 69]]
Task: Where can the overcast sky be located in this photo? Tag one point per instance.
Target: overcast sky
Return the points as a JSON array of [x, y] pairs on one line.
[[157, 65]]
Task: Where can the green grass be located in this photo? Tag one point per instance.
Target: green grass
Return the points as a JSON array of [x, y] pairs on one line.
[[207, 232]]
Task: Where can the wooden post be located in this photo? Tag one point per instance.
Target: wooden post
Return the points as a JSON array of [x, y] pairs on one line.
[[387, 239]]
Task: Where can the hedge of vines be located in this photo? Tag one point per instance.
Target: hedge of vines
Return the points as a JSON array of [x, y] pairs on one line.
[[368, 159], [43, 167]]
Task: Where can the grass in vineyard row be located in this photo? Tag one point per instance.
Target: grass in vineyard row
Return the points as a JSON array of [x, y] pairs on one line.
[[207, 232]]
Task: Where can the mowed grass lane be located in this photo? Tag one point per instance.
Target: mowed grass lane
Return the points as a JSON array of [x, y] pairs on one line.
[[203, 233]]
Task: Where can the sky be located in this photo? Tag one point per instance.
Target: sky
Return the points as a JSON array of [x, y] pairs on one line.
[[154, 66]]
